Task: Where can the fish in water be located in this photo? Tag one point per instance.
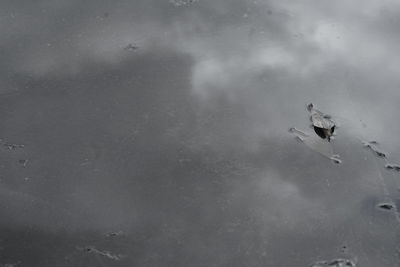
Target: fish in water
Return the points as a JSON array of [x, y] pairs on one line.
[[323, 126]]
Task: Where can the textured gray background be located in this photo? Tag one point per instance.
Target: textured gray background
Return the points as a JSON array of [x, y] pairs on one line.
[[182, 145]]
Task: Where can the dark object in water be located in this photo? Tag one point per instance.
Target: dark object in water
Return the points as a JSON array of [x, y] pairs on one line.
[[324, 133], [324, 127], [380, 154], [386, 206], [131, 47], [391, 166], [320, 132]]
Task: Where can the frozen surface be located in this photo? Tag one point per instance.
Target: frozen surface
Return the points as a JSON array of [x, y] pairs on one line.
[[155, 133]]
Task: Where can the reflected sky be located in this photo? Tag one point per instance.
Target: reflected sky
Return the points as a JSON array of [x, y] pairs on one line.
[[182, 145]]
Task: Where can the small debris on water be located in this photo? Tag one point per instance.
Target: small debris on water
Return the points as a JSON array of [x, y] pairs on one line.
[[104, 16], [372, 145], [10, 264], [179, 3], [336, 159], [23, 162], [131, 47], [335, 263], [85, 162], [107, 254], [386, 206], [380, 154], [324, 127], [113, 234], [391, 166], [13, 146]]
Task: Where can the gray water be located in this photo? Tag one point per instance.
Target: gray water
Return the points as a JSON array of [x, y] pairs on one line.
[[155, 133]]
